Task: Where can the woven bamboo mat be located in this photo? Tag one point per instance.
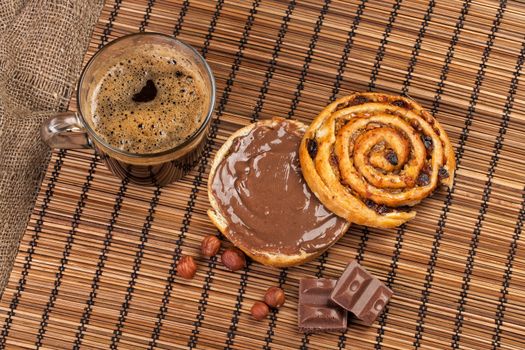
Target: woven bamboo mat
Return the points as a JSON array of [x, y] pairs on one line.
[[96, 265]]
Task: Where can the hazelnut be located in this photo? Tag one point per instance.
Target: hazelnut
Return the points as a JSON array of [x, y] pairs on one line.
[[259, 310], [210, 246], [233, 259], [186, 267], [274, 297]]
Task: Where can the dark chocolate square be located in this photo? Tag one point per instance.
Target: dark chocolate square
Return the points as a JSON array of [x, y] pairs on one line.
[[360, 293], [316, 313]]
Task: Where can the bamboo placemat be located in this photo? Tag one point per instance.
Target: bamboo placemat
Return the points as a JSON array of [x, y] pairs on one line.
[[96, 265]]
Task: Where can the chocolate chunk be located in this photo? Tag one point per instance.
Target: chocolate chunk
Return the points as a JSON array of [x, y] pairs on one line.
[[360, 293], [391, 156], [427, 141], [443, 173], [315, 311], [147, 93], [423, 179], [312, 148]]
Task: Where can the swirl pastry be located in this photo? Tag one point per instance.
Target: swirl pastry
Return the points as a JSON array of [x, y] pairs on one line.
[[368, 157]]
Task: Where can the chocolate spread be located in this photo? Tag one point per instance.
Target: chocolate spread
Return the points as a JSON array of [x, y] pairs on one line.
[[262, 194]]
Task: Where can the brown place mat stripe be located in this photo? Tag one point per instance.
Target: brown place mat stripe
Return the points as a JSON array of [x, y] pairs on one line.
[[496, 339], [139, 255], [100, 266], [116, 261], [373, 77], [486, 194], [459, 152], [78, 212], [441, 223], [114, 215], [66, 252], [38, 229], [300, 86], [487, 189], [255, 117], [202, 167]]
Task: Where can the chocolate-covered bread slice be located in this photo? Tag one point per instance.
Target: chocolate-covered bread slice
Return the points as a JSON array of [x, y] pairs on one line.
[[260, 201]]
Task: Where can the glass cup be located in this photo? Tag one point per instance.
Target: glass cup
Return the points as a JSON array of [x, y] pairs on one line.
[[70, 130]]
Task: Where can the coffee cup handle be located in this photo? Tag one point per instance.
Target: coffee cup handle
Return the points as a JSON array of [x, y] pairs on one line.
[[65, 130]]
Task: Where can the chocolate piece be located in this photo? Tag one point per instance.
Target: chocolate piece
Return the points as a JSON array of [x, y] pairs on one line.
[[360, 293], [260, 190], [315, 311]]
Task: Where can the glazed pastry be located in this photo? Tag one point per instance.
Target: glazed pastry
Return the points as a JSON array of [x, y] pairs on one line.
[[369, 157], [260, 200]]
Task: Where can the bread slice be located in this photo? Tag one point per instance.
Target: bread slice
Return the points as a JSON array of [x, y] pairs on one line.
[[218, 218]]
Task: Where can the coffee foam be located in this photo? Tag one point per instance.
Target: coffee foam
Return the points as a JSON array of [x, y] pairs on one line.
[[164, 122]]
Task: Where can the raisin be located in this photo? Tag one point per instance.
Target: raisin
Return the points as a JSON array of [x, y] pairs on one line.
[[427, 140], [423, 179], [391, 156], [358, 100], [400, 103], [371, 204], [383, 209], [443, 173], [333, 160], [427, 169], [312, 148], [416, 125]]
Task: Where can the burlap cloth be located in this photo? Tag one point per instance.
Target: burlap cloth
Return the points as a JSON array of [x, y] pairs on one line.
[[42, 44]]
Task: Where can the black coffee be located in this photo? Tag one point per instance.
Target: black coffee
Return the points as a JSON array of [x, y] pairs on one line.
[[149, 101]]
